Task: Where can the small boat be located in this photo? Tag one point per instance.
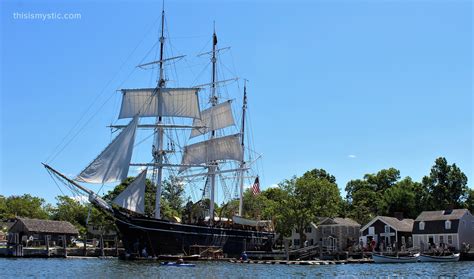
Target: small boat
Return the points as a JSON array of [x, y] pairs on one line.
[[177, 257], [378, 258], [178, 264], [447, 258]]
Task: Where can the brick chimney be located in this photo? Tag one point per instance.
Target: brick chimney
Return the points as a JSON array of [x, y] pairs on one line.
[[398, 215]]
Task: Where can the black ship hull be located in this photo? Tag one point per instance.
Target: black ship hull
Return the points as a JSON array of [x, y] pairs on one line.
[[161, 237]]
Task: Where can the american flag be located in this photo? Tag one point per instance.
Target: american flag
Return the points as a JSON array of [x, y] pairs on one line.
[[256, 187]]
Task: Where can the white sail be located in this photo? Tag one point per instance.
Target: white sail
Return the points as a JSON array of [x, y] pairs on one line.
[[113, 163], [214, 118], [175, 102], [224, 148], [133, 197]]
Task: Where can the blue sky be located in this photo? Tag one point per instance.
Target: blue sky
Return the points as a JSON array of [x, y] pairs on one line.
[[349, 86]]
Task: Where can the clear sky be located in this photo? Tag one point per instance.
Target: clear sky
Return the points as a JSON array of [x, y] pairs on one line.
[[349, 86]]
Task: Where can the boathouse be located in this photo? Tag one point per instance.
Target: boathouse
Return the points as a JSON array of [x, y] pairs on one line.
[[34, 232], [333, 234], [385, 233], [448, 228]]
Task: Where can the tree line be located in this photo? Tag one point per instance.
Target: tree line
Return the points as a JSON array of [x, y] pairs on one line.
[[294, 203]]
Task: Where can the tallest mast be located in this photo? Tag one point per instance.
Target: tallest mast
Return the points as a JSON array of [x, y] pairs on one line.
[[213, 165], [242, 144], [158, 152]]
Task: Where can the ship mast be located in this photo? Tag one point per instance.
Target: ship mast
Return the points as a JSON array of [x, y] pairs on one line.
[[158, 151], [214, 100], [242, 163]]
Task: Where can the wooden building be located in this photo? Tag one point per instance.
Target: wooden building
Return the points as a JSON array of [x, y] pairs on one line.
[[34, 232], [385, 233], [448, 228], [4, 228], [333, 234]]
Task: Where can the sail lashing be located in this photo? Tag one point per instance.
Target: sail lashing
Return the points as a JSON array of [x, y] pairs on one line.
[[214, 149], [216, 117], [113, 163], [157, 102], [133, 197]]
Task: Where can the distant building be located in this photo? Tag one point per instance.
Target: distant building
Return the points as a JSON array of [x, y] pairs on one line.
[[334, 234], [311, 236], [33, 232], [97, 231], [445, 227], [384, 232]]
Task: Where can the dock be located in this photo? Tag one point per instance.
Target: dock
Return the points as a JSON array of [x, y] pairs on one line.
[[304, 262]]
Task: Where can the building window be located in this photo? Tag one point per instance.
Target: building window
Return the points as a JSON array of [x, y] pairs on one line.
[[307, 230], [311, 242], [421, 225], [387, 228], [371, 230], [441, 239], [447, 225], [450, 239], [403, 240], [296, 242]]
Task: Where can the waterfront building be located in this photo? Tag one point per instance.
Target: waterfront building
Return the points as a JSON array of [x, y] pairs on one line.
[[34, 232], [385, 233], [333, 234], [444, 228]]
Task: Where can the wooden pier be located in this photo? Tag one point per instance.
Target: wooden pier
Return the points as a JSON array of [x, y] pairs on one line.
[[305, 262]]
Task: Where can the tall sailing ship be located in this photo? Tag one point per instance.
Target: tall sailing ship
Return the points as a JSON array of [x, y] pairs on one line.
[[216, 153]]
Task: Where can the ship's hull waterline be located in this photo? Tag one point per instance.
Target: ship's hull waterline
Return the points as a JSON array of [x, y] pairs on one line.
[[161, 237]]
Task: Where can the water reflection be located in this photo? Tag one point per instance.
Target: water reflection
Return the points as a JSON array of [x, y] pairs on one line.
[[107, 268]]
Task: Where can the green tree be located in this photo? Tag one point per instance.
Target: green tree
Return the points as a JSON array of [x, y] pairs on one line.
[[192, 212], [319, 173], [383, 179], [173, 193], [3, 207], [469, 204], [23, 206], [68, 209], [311, 196], [168, 210], [363, 200], [447, 185], [402, 198], [366, 198], [150, 190]]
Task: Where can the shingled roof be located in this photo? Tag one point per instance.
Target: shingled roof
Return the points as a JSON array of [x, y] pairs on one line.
[[440, 215], [337, 221], [46, 226], [404, 225]]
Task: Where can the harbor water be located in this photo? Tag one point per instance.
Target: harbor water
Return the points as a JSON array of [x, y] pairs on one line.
[[113, 268]]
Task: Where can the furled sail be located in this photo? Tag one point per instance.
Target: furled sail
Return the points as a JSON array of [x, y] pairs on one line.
[[133, 197], [214, 118], [174, 102], [224, 148], [113, 163]]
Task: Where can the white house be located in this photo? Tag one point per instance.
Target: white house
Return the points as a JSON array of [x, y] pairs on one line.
[[448, 227], [385, 231]]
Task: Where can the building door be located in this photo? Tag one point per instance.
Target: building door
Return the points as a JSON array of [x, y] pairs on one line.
[[431, 241]]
